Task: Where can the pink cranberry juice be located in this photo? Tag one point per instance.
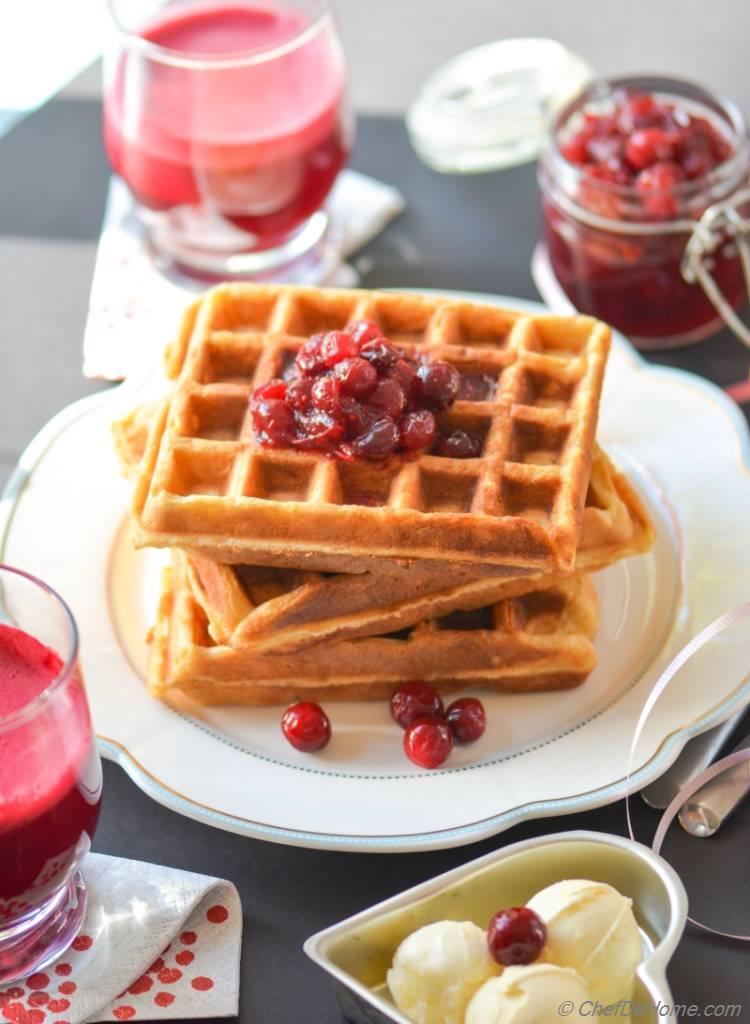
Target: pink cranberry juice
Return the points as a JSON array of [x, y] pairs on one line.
[[261, 142], [50, 783]]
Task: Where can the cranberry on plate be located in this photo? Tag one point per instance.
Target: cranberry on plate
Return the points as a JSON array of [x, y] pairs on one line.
[[354, 394], [306, 726], [466, 717], [414, 700], [428, 741], [516, 936]]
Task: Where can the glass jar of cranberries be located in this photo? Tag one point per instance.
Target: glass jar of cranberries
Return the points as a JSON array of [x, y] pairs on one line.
[[631, 166]]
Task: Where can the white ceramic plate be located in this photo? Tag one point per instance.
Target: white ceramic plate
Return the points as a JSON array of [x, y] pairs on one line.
[[685, 447]]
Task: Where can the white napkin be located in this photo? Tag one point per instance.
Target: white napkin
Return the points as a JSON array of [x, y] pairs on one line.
[[134, 308], [156, 944]]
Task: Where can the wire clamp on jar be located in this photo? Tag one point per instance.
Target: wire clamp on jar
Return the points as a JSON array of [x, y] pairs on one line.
[[719, 224]]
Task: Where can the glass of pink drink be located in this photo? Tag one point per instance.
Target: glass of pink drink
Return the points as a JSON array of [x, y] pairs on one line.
[[228, 121], [50, 776]]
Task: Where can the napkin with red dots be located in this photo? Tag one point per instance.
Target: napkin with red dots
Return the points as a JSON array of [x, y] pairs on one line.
[[134, 308], [156, 944]]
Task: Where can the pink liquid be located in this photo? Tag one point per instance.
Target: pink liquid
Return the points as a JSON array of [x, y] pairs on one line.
[[261, 143], [50, 781]]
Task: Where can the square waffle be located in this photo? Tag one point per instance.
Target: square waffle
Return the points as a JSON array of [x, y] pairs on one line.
[[538, 641], [280, 610], [206, 485], [276, 609]]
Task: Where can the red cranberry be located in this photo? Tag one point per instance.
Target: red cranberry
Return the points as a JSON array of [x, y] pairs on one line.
[[306, 726], [458, 445], [273, 421], [467, 719], [637, 111], [646, 147], [428, 741], [357, 417], [298, 393], [309, 358], [325, 395], [380, 353], [318, 430], [576, 149], [358, 378], [378, 442], [417, 430], [516, 936], [338, 345], [655, 184], [405, 372], [274, 388], [438, 385], [389, 397], [608, 150], [414, 700], [363, 330]]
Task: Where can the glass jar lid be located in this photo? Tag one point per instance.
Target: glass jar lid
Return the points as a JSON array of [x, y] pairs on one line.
[[490, 107]]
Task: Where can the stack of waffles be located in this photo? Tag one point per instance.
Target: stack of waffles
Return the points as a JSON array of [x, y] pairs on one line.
[[299, 576]]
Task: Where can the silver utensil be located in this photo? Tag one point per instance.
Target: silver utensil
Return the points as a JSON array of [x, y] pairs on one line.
[[711, 805], [696, 755]]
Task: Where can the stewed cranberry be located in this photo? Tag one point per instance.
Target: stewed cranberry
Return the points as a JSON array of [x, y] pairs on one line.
[[405, 372], [325, 394], [358, 418], [641, 135], [428, 741], [655, 183], [349, 399], [358, 378], [306, 726], [338, 345], [273, 421], [363, 330], [414, 700], [380, 353], [378, 442], [646, 146], [437, 385], [309, 358], [458, 444], [318, 430], [417, 430], [516, 936], [467, 719], [299, 393], [389, 397]]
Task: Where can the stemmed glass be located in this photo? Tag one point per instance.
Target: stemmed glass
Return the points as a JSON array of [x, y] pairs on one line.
[[50, 776]]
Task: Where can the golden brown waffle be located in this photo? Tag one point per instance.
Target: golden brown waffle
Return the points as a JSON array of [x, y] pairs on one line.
[[285, 610], [276, 609], [205, 485], [540, 641]]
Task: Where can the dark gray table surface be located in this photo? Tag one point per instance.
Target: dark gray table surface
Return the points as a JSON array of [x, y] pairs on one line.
[[470, 233]]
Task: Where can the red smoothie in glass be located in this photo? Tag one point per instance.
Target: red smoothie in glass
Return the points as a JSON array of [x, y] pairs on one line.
[[50, 783], [259, 141]]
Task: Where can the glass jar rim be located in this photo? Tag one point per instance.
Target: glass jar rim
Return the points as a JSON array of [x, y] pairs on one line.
[[657, 83], [212, 62], [33, 707]]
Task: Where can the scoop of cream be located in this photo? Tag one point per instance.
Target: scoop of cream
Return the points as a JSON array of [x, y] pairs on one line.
[[591, 928], [530, 995], [437, 969]]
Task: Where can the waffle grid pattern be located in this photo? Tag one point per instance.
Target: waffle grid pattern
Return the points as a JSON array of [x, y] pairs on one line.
[[520, 502], [542, 640]]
